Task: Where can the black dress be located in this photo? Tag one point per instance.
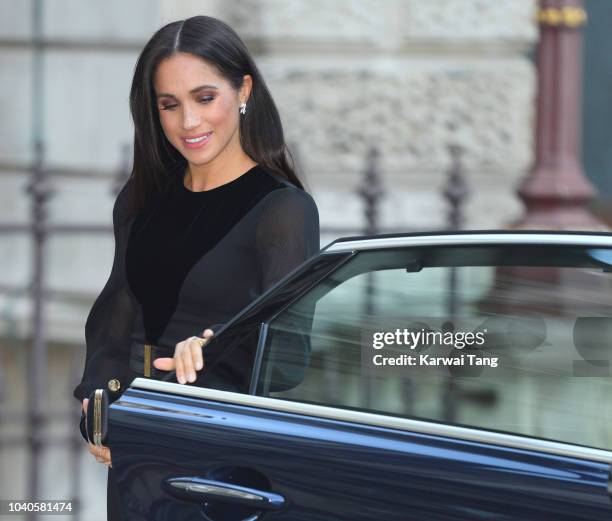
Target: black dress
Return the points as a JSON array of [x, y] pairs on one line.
[[189, 262]]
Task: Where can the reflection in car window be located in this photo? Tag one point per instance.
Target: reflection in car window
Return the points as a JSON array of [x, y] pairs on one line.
[[545, 313]]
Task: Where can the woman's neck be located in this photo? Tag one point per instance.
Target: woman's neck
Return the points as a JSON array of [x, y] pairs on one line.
[[199, 178]]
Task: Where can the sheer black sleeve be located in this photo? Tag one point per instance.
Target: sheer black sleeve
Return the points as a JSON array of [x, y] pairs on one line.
[[287, 235], [111, 318]]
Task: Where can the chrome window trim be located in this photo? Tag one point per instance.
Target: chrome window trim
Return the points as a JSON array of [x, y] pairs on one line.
[[484, 239], [515, 441]]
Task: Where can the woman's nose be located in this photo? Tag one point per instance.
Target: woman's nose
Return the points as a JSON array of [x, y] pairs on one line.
[[191, 119]]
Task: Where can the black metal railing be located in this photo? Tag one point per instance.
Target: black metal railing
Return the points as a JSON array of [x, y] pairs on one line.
[[40, 414]]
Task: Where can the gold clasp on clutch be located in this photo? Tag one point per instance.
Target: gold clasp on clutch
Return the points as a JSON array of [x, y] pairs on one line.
[[97, 423]]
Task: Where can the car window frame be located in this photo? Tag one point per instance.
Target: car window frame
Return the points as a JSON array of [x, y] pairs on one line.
[[560, 240]]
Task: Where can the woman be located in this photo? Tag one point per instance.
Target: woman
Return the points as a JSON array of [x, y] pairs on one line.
[[211, 217]]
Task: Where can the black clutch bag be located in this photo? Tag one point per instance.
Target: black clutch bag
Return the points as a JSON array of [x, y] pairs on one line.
[[96, 421]]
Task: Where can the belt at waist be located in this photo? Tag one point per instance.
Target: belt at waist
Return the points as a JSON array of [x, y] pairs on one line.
[[142, 356]]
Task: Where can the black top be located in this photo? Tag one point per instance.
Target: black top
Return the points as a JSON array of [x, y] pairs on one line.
[[191, 262]]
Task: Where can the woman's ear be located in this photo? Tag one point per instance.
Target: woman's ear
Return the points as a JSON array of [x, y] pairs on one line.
[[245, 90]]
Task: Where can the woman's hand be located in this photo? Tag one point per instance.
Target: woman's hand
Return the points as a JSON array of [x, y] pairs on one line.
[[102, 454], [187, 359]]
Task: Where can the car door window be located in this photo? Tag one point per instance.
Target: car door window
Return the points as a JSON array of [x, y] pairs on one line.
[[545, 314]]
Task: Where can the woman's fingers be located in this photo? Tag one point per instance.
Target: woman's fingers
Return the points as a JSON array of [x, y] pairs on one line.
[[165, 364], [193, 359], [85, 402], [102, 459], [101, 451], [196, 349], [188, 358], [102, 454], [196, 355], [178, 361]]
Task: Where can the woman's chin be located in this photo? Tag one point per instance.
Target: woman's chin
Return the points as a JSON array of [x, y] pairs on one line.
[[199, 159]]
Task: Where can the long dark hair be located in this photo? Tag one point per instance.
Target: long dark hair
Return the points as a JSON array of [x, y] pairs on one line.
[[261, 132]]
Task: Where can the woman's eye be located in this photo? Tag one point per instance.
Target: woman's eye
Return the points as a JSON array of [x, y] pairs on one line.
[[203, 99]]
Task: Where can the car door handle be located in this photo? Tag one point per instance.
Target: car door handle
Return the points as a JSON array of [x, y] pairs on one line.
[[200, 489]]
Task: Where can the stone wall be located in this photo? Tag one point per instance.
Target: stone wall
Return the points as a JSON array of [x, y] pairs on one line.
[[406, 76]]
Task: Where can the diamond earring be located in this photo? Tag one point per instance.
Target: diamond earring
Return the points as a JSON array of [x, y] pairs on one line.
[[243, 108]]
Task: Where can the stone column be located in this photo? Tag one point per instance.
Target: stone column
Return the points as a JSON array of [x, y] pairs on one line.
[[556, 191]]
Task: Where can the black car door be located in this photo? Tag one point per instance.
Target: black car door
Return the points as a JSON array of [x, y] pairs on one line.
[[324, 430]]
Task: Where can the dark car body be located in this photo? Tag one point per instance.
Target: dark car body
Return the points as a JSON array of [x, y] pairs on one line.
[[313, 431]]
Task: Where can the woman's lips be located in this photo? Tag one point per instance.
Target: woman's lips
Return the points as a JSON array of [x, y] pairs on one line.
[[196, 141]]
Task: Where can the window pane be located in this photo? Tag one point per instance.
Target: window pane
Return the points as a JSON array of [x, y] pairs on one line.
[[544, 313]]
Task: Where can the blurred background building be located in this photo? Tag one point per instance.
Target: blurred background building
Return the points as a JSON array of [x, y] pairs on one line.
[[414, 80]]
